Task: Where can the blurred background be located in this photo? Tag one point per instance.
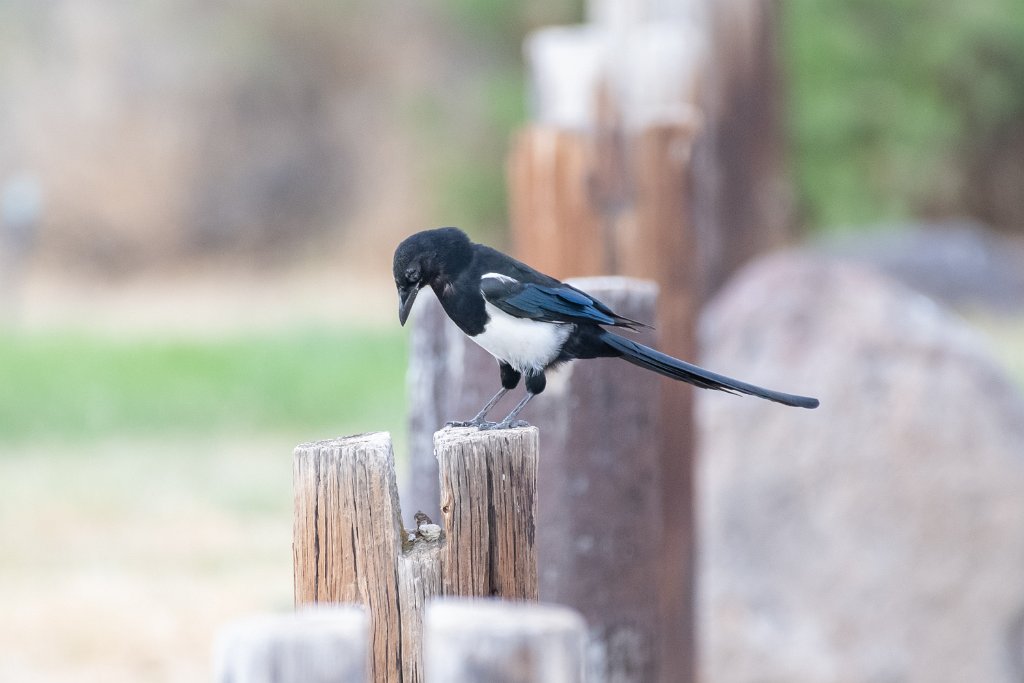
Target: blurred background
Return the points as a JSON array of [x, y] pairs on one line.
[[198, 206]]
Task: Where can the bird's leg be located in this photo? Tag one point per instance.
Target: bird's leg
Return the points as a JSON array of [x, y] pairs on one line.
[[480, 419], [510, 421]]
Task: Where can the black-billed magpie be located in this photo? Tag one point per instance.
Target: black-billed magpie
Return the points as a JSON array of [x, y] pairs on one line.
[[531, 322]]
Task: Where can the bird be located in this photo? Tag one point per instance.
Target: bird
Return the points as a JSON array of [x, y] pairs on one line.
[[531, 322]]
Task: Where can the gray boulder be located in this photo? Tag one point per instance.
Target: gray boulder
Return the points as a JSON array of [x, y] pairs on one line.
[[879, 538], [959, 263]]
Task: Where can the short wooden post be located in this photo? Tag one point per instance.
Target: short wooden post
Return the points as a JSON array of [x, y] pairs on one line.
[[496, 642], [312, 646], [348, 535], [489, 509], [350, 544]]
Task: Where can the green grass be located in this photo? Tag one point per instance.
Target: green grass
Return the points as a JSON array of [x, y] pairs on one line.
[[74, 386]]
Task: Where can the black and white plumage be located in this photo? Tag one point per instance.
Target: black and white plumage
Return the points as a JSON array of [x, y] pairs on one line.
[[531, 322]]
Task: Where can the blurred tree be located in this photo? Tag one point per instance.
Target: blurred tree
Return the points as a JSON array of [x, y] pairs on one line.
[[165, 129], [906, 107]]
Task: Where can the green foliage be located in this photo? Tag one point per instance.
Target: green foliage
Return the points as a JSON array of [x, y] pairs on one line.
[[890, 98], [74, 386]]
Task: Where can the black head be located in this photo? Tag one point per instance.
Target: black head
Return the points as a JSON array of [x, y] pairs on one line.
[[431, 257]]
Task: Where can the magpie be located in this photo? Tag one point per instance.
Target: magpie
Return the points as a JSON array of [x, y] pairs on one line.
[[531, 322]]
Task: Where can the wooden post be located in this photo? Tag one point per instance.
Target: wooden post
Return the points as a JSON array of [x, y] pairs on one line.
[[489, 507], [348, 535], [600, 530], [494, 642], [634, 127], [350, 544], [744, 204], [654, 238], [312, 646]]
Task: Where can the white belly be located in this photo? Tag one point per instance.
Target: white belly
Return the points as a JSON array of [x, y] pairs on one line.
[[526, 345]]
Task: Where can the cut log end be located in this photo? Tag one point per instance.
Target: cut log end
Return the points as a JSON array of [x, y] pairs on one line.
[[483, 640], [322, 645], [366, 439], [450, 435]]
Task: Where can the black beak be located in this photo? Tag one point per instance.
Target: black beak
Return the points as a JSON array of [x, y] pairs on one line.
[[405, 298]]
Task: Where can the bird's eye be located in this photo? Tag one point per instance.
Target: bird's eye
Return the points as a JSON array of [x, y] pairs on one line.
[[412, 275]]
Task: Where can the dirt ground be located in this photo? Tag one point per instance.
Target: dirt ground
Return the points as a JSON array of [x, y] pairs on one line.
[[205, 300]]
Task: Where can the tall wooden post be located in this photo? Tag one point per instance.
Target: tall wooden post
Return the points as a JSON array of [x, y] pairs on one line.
[[621, 97], [350, 545], [602, 532], [601, 527], [652, 236], [743, 200]]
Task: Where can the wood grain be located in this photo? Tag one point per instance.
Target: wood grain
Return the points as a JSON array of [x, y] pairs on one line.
[[348, 535], [419, 580], [489, 507], [350, 545]]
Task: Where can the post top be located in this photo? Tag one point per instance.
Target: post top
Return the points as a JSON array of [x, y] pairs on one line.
[[452, 434], [382, 439]]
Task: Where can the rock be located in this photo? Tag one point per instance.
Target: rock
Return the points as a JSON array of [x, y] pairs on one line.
[[879, 538], [960, 263]]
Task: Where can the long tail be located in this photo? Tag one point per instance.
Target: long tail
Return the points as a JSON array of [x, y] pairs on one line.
[[648, 358]]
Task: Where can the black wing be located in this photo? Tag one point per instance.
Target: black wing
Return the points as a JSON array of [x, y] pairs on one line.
[[557, 304]]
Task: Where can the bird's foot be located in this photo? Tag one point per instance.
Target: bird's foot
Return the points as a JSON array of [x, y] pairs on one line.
[[504, 424], [479, 424]]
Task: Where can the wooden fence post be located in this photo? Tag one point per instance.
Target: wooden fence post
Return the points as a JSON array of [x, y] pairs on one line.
[[496, 642], [631, 130], [350, 545], [600, 526], [601, 530], [325, 645], [489, 507]]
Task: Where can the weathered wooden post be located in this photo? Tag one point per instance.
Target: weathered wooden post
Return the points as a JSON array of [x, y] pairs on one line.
[[600, 531], [350, 544], [326, 645], [497, 642], [605, 171]]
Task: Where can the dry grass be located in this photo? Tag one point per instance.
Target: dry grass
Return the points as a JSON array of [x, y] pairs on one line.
[[119, 562]]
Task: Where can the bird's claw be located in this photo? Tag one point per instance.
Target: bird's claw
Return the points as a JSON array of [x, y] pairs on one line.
[[479, 424], [504, 424]]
